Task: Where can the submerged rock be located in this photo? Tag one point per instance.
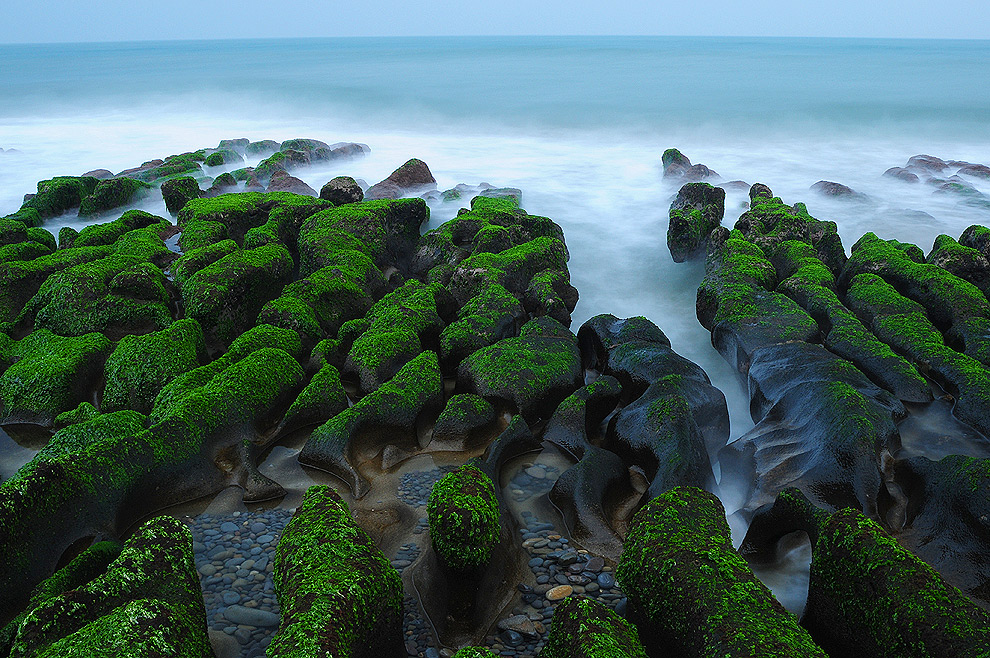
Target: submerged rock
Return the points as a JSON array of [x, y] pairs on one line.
[[341, 190], [411, 177]]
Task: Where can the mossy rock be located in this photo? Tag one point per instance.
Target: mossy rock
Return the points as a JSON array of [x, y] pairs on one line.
[[385, 231], [696, 210], [338, 594], [177, 192], [533, 373], [485, 319], [140, 366], [223, 156], [108, 233], [173, 165], [694, 592], [283, 160], [226, 296], [261, 148], [46, 375], [584, 628], [322, 399], [464, 519], [868, 595], [466, 419], [386, 416], [513, 269], [23, 251], [147, 603], [27, 216], [473, 652], [195, 260], [112, 193], [59, 194]]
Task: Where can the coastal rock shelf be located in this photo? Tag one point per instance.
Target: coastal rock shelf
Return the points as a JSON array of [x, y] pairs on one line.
[[404, 449]]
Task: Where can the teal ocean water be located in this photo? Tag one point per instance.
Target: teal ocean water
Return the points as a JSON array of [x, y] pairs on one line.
[[578, 123]]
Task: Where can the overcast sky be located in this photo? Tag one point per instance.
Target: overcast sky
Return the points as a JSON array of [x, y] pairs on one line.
[[125, 20]]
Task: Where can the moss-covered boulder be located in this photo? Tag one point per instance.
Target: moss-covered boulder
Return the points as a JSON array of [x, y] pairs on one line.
[[322, 399], [177, 192], [21, 280], [696, 210], [262, 148], [283, 160], [108, 233], [868, 595], [223, 156], [674, 163], [146, 604], [387, 416], [693, 594], [226, 296], [584, 628], [173, 165], [112, 193], [464, 519], [59, 194], [385, 231], [464, 424], [532, 372], [338, 593], [45, 374], [140, 366], [341, 190], [474, 652]]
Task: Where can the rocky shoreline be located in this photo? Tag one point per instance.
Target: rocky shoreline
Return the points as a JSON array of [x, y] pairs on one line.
[[501, 485]]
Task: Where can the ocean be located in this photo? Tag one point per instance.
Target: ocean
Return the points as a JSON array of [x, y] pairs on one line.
[[578, 123]]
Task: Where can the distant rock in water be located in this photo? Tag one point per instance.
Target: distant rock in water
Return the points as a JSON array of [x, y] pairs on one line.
[[100, 174], [341, 190], [411, 177], [837, 190], [927, 163], [676, 165], [900, 173], [975, 170]]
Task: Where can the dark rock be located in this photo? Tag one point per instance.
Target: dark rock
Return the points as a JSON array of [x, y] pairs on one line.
[[341, 190], [696, 210], [264, 148], [283, 182], [583, 628], [902, 174], [100, 174], [828, 188], [976, 171], [177, 192], [927, 163], [674, 163], [699, 172], [411, 177]]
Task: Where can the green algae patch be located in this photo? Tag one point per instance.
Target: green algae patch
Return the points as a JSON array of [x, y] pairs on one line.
[[48, 374], [695, 212], [112, 193], [59, 194], [696, 594], [147, 603], [584, 628], [388, 414], [868, 595], [464, 518], [339, 595], [486, 318], [474, 652], [21, 280], [233, 215], [195, 260], [463, 421], [534, 373], [513, 269], [322, 399], [108, 233], [140, 366], [226, 296]]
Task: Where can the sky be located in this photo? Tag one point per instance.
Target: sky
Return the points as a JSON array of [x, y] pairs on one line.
[[45, 21]]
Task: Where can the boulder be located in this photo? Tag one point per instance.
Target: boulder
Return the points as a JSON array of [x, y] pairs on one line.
[[409, 178], [283, 182], [696, 210], [584, 628], [341, 190], [177, 192]]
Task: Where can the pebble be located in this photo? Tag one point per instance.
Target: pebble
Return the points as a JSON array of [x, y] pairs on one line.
[[250, 616], [559, 592]]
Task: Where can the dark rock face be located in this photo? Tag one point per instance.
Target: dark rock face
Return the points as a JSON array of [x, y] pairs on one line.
[[927, 163], [696, 210], [283, 182], [341, 190], [411, 177], [100, 174], [828, 188], [902, 174], [693, 595], [360, 616]]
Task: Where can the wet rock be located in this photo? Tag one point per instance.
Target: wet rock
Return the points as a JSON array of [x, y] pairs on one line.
[[341, 190], [239, 614], [359, 615], [902, 174], [928, 163], [177, 192], [838, 190], [262, 148], [100, 174], [687, 585], [583, 628], [465, 422], [283, 182], [674, 163], [696, 210], [223, 156], [560, 592], [699, 172], [975, 170], [411, 177]]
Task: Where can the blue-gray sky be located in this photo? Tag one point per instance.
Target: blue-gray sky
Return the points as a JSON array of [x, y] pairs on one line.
[[124, 20]]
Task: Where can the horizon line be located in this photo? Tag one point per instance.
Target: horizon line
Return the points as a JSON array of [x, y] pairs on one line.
[[491, 36]]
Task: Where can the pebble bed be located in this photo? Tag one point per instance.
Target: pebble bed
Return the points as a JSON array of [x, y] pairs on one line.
[[234, 557]]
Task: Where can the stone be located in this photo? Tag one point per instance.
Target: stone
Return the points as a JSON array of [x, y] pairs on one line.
[[560, 592], [239, 614]]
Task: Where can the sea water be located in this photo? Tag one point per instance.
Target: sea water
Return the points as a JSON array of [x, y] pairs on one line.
[[577, 123]]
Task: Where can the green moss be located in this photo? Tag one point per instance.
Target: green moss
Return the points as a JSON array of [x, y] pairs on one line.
[[322, 399], [107, 234], [59, 194], [140, 366], [23, 251], [338, 593], [185, 163], [697, 594], [195, 260], [48, 374], [584, 628], [878, 590], [111, 193], [28, 216], [464, 518], [147, 603], [41, 236], [474, 652], [225, 297], [84, 412], [223, 156]]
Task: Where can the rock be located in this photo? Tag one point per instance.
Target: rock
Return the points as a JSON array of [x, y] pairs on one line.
[[264, 148], [464, 494], [341, 190], [223, 156], [976, 171], [688, 585], [463, 423], [177, 192], [699, 172], [560, 592], [359, 616], [828, 188], [583, 628], [283, 182], [902, 174], [239, 144], [519, 624], [927, 163], [409, 178], [101, 174], [674, 163], [239, 614], [696, 210]]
